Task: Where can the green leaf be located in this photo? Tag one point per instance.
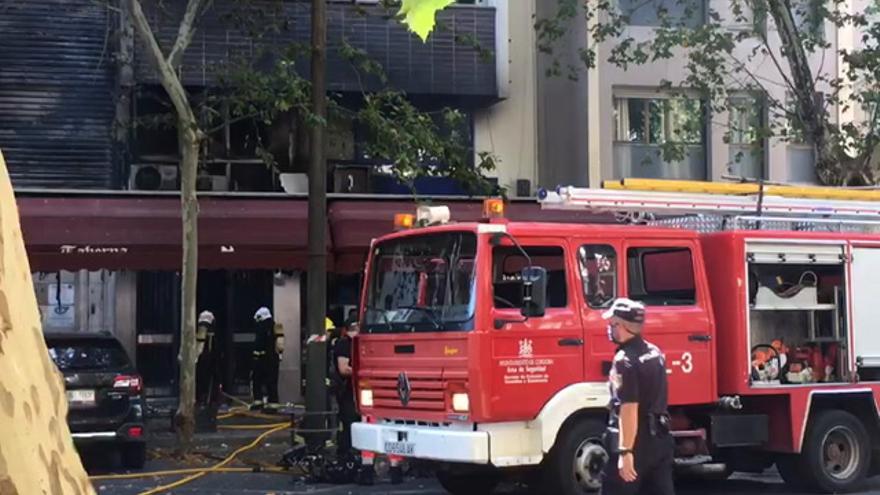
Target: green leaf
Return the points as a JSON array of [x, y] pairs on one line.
[[419, 15]]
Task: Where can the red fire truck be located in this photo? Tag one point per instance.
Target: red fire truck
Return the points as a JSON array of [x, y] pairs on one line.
[[483, 349]]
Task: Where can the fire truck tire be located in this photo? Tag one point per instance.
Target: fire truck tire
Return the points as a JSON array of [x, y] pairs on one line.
[[835, 455], [470, 483], [576, 461]]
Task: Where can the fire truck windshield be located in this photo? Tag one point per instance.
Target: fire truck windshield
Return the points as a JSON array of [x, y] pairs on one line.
[[422, 283]]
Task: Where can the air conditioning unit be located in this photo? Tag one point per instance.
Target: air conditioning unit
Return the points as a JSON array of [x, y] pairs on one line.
[[154, 178]]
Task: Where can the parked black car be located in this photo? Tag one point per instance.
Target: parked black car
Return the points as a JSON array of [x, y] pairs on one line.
[[104, 392]]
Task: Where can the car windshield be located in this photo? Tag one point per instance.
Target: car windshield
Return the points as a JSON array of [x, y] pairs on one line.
[[86, 355], [422, 283]]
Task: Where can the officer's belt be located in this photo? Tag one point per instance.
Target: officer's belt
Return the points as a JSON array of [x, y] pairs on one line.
[[658, 424]]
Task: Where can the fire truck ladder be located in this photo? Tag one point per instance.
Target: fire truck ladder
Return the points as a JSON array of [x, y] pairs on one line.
[[713, 206]]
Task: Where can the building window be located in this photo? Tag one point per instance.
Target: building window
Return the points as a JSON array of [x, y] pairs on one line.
[[656, 13], [800, 153], [659, 138], [745, 136], [658, 120]]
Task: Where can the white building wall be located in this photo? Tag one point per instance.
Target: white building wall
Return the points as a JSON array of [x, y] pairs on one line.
[[645, 79], [509, 127]]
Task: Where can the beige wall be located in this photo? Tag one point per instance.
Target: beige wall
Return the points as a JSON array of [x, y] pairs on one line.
[[508, 128], [645, 79], [287, 312]]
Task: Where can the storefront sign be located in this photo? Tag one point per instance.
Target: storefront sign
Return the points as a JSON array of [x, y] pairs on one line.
[[87, 249]]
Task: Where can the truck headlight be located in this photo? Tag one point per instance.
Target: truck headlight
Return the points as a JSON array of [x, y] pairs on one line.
[[460, 402], [366, 397]]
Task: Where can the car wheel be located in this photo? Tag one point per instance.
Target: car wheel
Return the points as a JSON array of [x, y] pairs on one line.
[[134, 456], [576, 462], [469, 483], [835, 455]]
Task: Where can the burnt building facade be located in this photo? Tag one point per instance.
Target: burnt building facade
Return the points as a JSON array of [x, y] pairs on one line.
[[95, 170]]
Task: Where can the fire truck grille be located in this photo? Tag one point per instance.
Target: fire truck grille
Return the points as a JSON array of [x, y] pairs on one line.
[[420, 391]]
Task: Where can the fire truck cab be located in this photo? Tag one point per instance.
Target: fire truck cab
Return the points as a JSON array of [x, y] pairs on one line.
[[483, 348]]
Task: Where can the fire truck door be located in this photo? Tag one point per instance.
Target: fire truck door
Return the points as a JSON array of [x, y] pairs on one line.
[[663, 275], [600, 267], [533, 358]]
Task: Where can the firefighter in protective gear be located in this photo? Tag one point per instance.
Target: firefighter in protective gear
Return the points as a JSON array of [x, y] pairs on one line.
[[268, 348], [208, 372], [638, 437]]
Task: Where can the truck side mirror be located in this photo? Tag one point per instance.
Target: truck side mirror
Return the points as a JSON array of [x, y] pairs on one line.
[[534, 284]]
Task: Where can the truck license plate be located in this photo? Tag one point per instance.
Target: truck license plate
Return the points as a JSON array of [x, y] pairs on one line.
[[399, 448], [81, 397]]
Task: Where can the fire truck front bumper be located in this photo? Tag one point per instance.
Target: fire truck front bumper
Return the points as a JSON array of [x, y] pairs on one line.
[[450, 444]]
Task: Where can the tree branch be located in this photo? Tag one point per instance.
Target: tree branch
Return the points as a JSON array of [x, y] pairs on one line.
[[773, 58], [167, 75], [184, 33], [754, 77]]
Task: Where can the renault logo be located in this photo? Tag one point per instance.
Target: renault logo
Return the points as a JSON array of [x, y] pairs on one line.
[[403, 388]]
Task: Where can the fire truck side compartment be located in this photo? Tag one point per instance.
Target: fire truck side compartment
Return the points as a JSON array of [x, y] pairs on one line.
[[739, 430]]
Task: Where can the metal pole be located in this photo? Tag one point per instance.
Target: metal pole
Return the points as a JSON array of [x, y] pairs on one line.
[[316, 365]]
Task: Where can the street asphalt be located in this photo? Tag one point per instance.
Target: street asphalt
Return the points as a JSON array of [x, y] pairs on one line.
[[211, 448], [283, 484]]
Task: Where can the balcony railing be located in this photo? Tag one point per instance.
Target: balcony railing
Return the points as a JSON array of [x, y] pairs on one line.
[[746, 161], [646, 161], [457, 60]]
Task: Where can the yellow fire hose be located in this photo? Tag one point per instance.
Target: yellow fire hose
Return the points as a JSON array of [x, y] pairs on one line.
[[177, 472], [220, 467]]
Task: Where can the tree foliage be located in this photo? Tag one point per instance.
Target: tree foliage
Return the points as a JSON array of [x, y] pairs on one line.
[[779, 52]]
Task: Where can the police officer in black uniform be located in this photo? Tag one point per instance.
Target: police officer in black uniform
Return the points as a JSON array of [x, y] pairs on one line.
[[638, 438]]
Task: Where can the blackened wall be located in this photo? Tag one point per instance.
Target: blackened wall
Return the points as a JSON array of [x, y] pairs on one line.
[[56, 93], [457, 60]]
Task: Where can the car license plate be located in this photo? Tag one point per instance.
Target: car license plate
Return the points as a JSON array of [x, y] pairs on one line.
[[399, 448], [81, 397]]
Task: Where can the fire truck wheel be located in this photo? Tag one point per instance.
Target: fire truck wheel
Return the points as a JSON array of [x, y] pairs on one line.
[[836, 453], [575, 463], [470, 483]]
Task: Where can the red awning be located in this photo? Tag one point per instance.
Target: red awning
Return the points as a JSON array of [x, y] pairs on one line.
[[354, 223], [134, 232], [144, 233]]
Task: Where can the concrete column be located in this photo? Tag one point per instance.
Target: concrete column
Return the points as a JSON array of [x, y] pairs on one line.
[[81, 282], [125, 307], [288, 313]]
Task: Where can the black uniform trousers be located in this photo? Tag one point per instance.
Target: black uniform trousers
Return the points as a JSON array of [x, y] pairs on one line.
[[653, 459], [348, 415], [264, 378], [208, 379]]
